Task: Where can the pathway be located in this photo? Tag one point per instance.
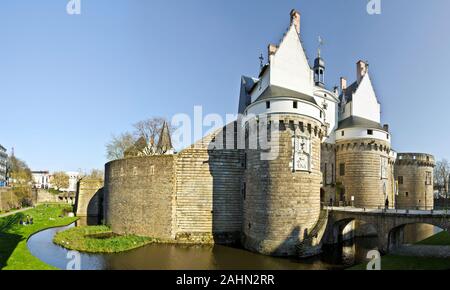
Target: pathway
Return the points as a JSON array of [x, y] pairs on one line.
[[14, 212]]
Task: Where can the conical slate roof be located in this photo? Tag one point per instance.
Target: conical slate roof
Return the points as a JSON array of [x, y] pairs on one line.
[[165, 142]]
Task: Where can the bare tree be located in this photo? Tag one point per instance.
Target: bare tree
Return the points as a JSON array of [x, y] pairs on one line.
[[96, 174], [150, 128], [116, 148], [441, 175]]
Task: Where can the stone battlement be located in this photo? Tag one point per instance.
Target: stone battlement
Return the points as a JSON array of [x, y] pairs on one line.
[[420, 159]]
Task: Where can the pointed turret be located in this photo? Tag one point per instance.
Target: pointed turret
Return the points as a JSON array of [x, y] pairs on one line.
[[165, 142]]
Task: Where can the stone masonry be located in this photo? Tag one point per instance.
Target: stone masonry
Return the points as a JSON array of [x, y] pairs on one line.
[[360, 175], [193, 196], [281, 207], [89, 198], [414, 174]]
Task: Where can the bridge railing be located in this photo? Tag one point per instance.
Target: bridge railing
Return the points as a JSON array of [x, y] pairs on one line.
[[429, 211]]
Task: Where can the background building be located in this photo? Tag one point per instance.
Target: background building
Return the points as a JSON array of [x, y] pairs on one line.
[[3, 166], [41, 179], [73, 180]]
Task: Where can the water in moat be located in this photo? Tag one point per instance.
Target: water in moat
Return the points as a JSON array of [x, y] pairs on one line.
[[177, 257]]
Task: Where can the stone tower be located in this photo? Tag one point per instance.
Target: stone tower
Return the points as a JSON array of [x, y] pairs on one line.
[[281, 191], [414, 175], [364, 158]]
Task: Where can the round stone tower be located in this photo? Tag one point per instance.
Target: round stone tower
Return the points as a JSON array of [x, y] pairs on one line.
[[282, 196], [281, 184], [414, 175], [364, 158], [364, 163]]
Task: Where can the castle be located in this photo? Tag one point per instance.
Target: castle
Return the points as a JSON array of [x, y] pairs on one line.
[[330, 146]]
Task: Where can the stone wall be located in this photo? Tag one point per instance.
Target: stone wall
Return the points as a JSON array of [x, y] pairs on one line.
[[139, 196], [8, 200], [193, 196], [208, 191], [43, 196], [328, 168], [414, 192], [362, 179], [89, 198], [16, 198], [281, 207]]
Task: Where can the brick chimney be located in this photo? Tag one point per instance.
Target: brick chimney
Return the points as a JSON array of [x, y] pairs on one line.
[[295, 19], [272, 49], [343, 84], [362, 68]]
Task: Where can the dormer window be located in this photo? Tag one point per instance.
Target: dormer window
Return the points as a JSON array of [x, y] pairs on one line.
[[295, 105], [369, 132]]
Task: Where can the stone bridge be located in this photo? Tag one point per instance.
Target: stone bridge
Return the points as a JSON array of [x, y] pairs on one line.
[[389, 224]]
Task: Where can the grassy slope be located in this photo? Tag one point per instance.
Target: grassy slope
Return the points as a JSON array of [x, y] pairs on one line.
[[440, 239], [14, 254], [391, 262], [88, 239]]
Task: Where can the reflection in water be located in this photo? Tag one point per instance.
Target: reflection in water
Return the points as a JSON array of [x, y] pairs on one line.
[[179, 257]]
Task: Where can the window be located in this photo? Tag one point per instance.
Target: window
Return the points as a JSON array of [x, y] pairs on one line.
[[325, 169], [407, 194], [267, 105], [244, 190], [295, 105], [400, 180], [244, 163], [321, 114], [428, 180], [342, 169], [342, 133], [369, 132], [387, 136], [152, 170]]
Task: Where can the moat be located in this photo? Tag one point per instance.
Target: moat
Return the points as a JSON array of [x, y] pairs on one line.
[[177, 257]]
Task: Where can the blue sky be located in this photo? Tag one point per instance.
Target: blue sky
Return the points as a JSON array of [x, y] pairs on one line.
[[68, 82]]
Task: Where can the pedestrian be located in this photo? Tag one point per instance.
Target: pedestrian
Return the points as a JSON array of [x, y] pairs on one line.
[[31, 220], [387, 203]]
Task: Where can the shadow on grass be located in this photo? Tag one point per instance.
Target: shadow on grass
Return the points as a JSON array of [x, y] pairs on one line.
[[8, 239]]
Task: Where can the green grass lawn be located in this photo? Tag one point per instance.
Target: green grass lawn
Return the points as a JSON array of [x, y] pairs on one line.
[[14, 254], [98, 239], [441, 239]]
